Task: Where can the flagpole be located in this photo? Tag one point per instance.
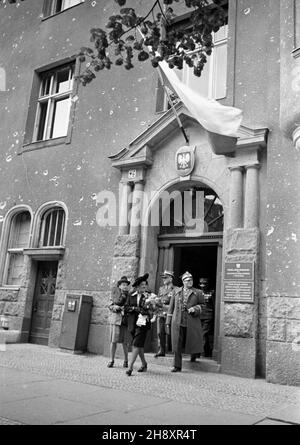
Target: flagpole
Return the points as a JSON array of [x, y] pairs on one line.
[[168, 95], [172, 106]]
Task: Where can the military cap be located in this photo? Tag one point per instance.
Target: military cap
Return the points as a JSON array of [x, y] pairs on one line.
[[167, 273], [186, 276]]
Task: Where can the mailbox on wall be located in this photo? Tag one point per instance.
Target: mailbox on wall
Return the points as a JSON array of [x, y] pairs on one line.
[[76, 323]]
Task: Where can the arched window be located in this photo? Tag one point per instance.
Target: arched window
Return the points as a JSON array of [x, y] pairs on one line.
[[213, 213], [18, 240], [52, 228]]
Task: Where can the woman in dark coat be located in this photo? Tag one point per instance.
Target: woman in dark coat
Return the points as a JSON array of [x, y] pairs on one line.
[[118, 322], [138, 318]]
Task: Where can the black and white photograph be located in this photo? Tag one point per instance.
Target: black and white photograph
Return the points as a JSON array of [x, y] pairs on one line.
[[149, 216]]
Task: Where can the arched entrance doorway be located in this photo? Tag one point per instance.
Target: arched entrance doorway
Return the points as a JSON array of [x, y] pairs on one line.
[[190, 238]]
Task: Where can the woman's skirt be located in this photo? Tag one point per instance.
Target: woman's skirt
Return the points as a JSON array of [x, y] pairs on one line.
[[139, 336], [118, 334]]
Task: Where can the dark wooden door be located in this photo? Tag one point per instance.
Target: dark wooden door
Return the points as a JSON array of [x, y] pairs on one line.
[[43, 302]]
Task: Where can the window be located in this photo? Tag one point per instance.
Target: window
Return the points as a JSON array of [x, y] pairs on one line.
[[213, 214], [212, 83], [52, 7], [18, 240], [52, 228], [54, 103], [297, 24]]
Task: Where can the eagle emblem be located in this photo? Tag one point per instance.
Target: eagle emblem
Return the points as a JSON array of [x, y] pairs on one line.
[[185, 160]]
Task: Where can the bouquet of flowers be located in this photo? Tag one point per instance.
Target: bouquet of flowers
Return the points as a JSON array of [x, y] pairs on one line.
[[154, 304]]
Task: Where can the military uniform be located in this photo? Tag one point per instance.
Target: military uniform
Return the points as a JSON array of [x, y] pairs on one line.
[[165, 294], [207, 321]]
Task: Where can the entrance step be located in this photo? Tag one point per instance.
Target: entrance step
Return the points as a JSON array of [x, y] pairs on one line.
[[201, 364]]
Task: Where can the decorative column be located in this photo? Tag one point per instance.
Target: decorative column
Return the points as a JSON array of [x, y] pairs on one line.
[[236, 197], [166, 257], [159, 268], [137, 208], [251, 196], [125, 190], [171, 258]]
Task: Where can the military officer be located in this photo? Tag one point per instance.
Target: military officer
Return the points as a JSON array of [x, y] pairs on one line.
[[164, 295], [184, 317], [207, 316]]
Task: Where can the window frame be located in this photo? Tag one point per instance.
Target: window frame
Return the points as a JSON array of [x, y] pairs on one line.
[[51, 99], [49, 8], [162, 104], [44, 217], [29, 144], [9, 234]]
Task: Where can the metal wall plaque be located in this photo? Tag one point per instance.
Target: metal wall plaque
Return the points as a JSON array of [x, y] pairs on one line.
[[239, 282], [239, 291], [239, 271]]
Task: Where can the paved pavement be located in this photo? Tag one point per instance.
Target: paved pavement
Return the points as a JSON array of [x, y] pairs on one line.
[[40, 385]]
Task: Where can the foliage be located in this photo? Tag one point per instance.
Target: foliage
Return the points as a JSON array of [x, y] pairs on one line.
[[153, 37]]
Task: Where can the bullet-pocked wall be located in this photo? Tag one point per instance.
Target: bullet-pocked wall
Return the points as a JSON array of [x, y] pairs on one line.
[[109, 112], [263, 80]]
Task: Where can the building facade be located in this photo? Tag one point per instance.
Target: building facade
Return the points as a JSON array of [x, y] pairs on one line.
[[70, 154]]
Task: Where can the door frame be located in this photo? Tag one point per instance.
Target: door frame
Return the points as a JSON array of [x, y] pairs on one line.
[[37, 268], [166, 244]]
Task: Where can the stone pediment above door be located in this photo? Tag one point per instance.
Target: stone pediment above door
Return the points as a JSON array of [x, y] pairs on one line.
[[140, 151]]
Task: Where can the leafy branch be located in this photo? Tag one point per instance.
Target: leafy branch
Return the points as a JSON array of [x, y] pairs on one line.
[[158, 40]]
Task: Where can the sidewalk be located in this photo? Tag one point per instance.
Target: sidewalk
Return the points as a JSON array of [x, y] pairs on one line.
[[40, 385]]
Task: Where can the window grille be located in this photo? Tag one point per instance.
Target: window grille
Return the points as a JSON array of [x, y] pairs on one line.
[[52, 229]]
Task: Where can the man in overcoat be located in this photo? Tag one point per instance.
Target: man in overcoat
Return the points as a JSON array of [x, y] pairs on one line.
[[184, 317]]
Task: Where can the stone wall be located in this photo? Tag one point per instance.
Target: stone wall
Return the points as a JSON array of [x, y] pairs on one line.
[[283, 340], [240, 323]]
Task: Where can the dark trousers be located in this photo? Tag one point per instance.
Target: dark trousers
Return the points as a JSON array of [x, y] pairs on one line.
[[180, 347], [162, 336], [207, 330]]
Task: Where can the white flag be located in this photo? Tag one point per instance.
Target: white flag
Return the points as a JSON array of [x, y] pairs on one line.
[[213, 116]]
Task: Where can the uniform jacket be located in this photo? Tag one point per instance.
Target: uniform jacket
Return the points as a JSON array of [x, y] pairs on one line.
[[194, 340], [166, 293], [117, 305], [208, 307]]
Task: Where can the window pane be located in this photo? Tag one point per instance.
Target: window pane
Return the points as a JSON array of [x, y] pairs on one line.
[[61, 118], [42, 120], [15, 269], [52, 229], [19, 234], [62, 83], [59, 232], [220, 71], [58, 6], [221, 34], [46, 232], [45, 90], [69, 3]]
